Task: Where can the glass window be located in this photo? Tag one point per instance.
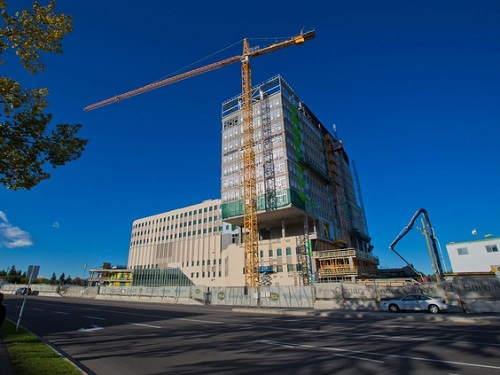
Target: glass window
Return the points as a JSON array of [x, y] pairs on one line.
[[288, 251], [279, 252], [262, 253], [279, 268], [270, 253], [462, 251], [491, 248], [290, 267]]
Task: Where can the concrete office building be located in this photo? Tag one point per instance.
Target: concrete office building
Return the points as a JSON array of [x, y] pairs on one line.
[[311, 224], [192, 239]]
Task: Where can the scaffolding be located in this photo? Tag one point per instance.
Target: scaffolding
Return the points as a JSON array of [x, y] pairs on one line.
[[269, 173], [346, 264]]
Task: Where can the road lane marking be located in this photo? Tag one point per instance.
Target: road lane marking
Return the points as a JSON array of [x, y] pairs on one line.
[[292, 345], [91, 329], [199, 321], [93, 317], [145, 325], [379, 336], [61, 312], [469, 364]]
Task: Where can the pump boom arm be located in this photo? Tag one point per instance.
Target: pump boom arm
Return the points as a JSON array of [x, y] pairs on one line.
[[435, 253]]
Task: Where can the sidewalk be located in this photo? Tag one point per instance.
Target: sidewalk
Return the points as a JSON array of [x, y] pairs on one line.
[[5, 362]]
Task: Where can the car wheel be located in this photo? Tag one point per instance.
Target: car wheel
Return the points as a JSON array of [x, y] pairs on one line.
[[393, 308], [433, 309]]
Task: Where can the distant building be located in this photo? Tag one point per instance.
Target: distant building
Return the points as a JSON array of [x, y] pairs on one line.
[[402, 272], [109, 275], [474, 256]]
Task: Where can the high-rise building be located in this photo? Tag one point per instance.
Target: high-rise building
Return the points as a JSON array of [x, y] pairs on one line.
[[311, 225], [306, 196]]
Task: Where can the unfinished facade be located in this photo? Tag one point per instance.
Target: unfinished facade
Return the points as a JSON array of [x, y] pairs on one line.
[[311, 228]]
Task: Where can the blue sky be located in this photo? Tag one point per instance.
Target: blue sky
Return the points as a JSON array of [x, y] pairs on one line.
[[412, 86]]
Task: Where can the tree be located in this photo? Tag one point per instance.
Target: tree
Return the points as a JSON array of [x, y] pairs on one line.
[[53, 279], [27, 143]]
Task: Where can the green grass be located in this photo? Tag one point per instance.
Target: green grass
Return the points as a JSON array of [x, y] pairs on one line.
[[31, 356]]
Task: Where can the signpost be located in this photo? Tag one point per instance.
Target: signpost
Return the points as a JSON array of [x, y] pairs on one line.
[[31, 274]]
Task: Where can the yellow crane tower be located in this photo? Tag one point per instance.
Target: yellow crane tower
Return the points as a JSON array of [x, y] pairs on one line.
[[250, 227]]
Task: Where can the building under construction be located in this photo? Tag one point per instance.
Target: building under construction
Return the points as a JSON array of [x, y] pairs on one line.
[[311, 223]]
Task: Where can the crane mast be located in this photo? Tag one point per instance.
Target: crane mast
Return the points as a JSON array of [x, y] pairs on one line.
[[250, 225]]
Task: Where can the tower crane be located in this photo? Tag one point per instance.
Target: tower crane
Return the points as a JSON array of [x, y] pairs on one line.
[[250, 226]]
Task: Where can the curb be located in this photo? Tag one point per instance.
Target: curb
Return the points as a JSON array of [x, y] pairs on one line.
[[382, 315]]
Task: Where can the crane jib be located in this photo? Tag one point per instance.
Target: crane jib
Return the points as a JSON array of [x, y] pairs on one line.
[[297, 40]]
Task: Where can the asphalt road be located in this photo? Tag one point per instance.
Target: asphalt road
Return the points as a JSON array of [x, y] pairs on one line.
[[108, 337]]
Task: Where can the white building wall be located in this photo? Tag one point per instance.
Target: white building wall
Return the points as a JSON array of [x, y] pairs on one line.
[[188, 238], [474, 256], [214, 258]]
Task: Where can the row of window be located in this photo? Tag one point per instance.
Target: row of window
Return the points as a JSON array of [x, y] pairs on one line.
[[177, 216], [202, 262], [177, 225], [279, 252], [276, 269], [175, 236], [489, 249]]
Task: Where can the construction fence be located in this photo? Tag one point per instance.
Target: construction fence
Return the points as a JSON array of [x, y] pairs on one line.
[[467, 294]]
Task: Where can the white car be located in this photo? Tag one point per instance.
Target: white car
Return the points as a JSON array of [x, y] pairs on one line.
[[415, 302]]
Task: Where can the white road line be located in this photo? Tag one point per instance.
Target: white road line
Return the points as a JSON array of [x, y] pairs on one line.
[[439, 361], [378, 355], [200, 321], [92, 329], [292, 345], [61, 312], [379, 336], [145, 325], [93, 317]]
